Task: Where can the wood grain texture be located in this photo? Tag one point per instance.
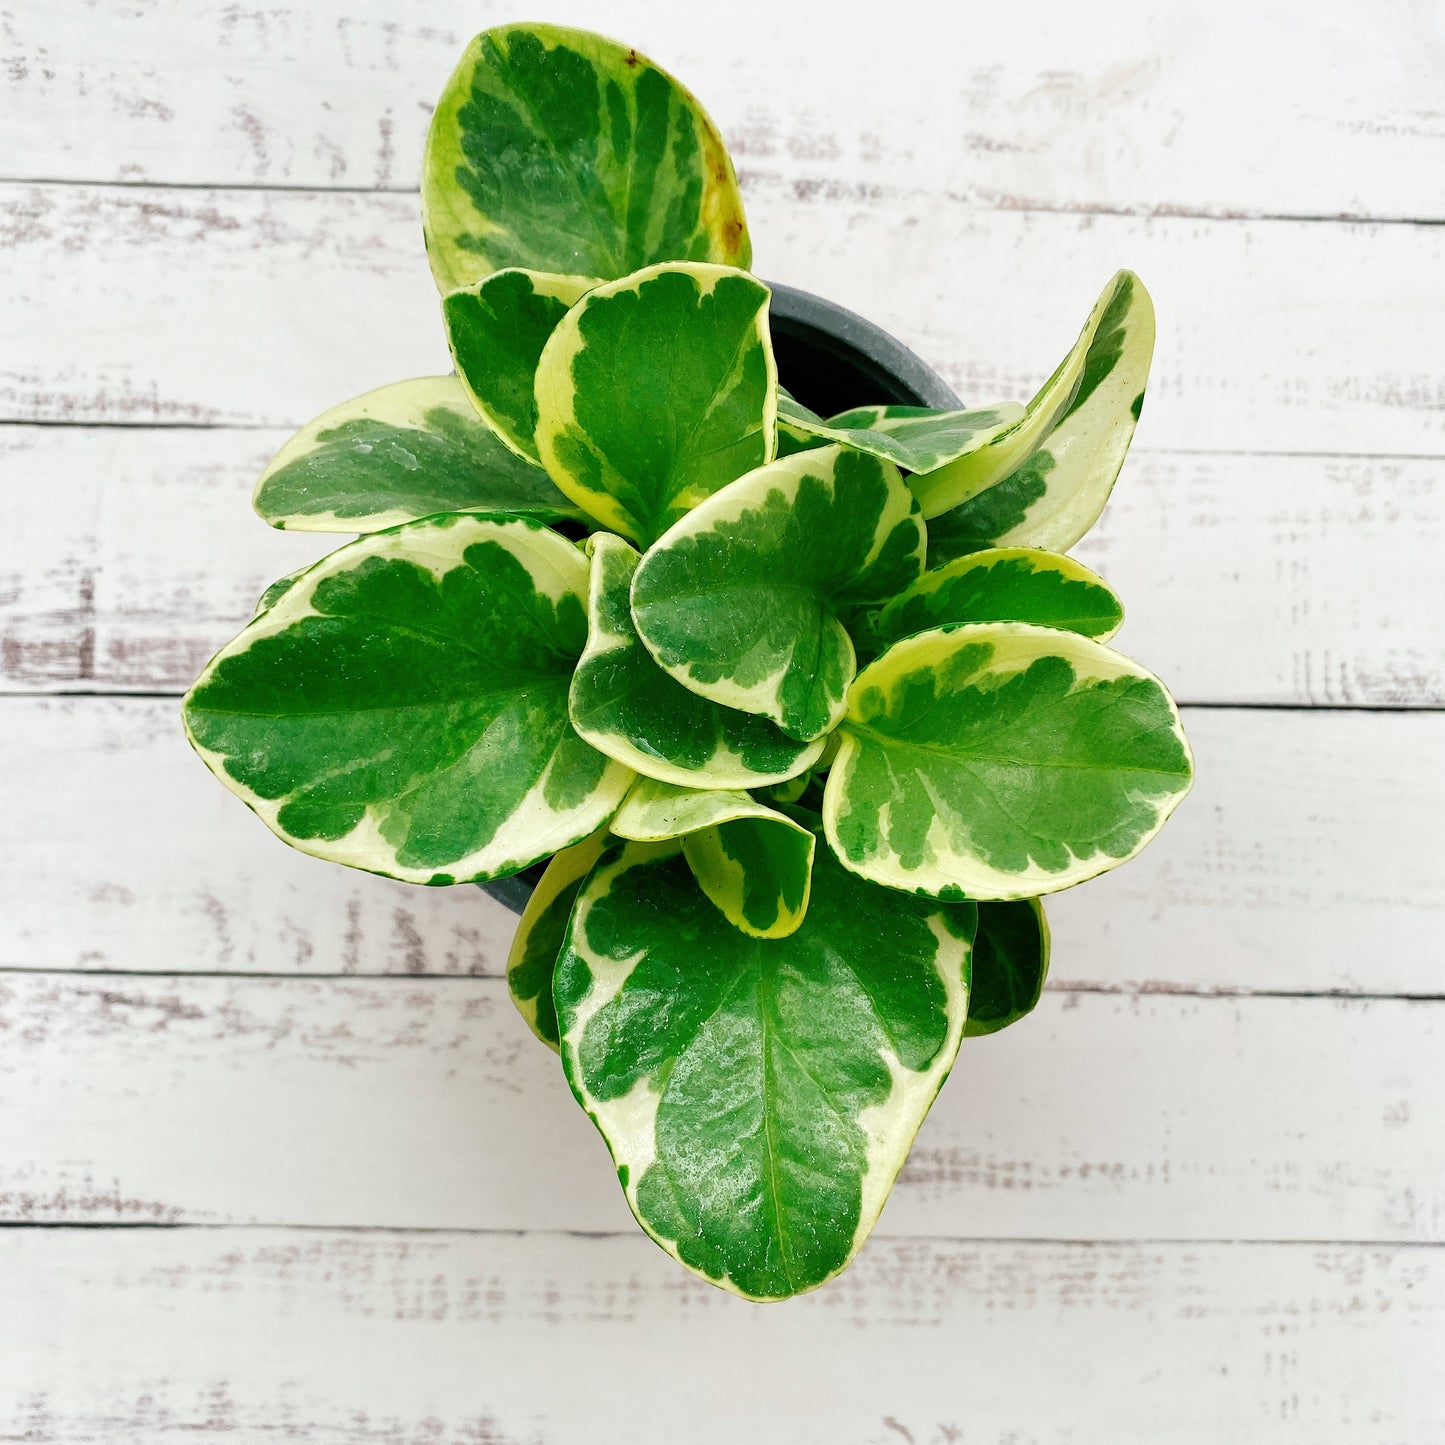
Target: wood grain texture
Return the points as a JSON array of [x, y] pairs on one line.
[[455, 1340], [153, 561], [163, 870], [1306, 860], [1247, 579], [1114, 107], [426, 1104], [264, 308], [968, 179]]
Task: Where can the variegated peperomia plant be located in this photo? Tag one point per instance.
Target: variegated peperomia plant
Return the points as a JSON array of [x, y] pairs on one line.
[[806, 713]]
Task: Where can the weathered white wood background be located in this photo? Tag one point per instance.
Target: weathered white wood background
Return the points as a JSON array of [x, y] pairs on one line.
[[278, 1159]]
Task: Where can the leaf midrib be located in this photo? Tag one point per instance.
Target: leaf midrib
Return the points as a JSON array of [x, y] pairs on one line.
[[661, 1076], [714, 589], [891, 740], [770, 1148], [683, 455], [486, 697], [891, 743], [606, 245]]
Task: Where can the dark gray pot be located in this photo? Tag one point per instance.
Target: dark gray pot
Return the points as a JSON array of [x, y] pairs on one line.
[[831, 359]]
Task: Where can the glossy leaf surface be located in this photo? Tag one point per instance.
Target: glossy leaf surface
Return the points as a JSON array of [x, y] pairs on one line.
[[914, 438], [1005, 584], [656, 391], [496, 331], [758, 1095], [1002, 761], [567, 152], [1010, 964], [752, 861], [403, 706], [541, 930], [744, 600], [1044, 482], [402, 452], [625, 705]]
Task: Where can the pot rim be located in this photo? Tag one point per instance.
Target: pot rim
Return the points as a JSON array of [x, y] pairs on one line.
[[903, 378]]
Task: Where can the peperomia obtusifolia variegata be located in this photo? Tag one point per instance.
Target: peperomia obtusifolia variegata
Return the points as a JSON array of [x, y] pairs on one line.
[[806, 713]]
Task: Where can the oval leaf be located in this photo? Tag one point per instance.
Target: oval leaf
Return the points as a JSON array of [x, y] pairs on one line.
[[754, 863], [758, 1095], [1002, 761], [1010, 964], [625, 705], [1004, 584], [541, 931], [744, 600], [656, 391], [567, 152], [404, 451], [496, 331], [911, 437], [1044, 483], [758, 871], [403, 707]]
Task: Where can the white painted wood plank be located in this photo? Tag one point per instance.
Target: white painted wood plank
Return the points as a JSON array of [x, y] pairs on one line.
[[1308, 859], [147, 1336], [1227, 107], [427, 1104], [121, 852], [128, 555], [1259, 579], [266, 307], [1247, 579], [257, 296]]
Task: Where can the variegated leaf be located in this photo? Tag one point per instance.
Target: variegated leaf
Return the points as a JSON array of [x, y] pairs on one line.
[[626, 706], [541, 931], [496, 330], [911, 437], [564, 151], [404, 451], [1044, 482], [753, 862], [279, 588], [1002, 761], [758, 871], [758, 1095], [1003, 584], [656, 391], [744, 600], [1010, 964], [402, 707]]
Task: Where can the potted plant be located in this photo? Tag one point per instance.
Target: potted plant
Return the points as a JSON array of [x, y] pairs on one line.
[[802, 715]]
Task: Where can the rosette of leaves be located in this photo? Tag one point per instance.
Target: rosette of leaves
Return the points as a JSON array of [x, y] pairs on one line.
[[804, 715]]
